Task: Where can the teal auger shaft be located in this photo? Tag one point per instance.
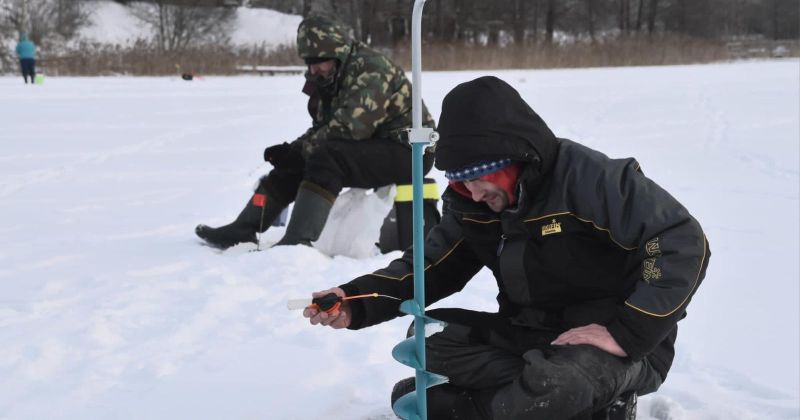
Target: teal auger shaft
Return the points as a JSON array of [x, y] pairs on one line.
[[419, 141], [419, 276]]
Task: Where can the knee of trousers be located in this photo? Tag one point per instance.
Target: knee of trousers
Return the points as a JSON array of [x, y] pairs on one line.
[[324, 169], [543, 376], [546, 388], [439, 346]]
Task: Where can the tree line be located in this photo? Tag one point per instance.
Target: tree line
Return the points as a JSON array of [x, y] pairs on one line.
[[387, 22], [459, 34], [179, 23]]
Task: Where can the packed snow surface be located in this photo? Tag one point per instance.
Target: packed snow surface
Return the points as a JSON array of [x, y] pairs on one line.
[[110, 308]]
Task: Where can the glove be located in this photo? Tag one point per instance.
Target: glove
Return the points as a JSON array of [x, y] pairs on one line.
[[276, 154]]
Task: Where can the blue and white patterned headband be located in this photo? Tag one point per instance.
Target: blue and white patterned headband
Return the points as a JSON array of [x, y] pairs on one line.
[[477, 170]]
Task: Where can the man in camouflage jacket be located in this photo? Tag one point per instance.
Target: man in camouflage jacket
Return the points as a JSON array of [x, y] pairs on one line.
[[360, 105], [595, 265]]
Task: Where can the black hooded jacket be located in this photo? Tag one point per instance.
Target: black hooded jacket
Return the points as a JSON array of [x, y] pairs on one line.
[[590, 240]]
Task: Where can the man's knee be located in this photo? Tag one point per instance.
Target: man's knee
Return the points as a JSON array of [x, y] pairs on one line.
[[442, 346], [609, 375], [280, 185], [559, 377], [463, 328], [549, 387], [324, 168]]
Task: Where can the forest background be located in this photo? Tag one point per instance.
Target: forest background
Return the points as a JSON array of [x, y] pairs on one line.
[[458, 34]]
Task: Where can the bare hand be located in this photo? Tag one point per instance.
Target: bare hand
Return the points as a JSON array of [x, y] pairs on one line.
[[338, 319], [592, 334]]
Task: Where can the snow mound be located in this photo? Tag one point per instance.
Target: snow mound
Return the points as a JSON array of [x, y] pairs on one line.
[[264, 26], [113, 23], [355, 221]]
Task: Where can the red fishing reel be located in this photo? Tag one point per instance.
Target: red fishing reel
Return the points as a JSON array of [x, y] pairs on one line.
[[329, 303]]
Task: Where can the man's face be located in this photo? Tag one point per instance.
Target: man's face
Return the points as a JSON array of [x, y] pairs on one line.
[[323, 69], [484, 191]]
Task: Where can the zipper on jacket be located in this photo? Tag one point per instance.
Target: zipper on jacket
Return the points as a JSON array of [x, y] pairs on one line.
[[501, 245]]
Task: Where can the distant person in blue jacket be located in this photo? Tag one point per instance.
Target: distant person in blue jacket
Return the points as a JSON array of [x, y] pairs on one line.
[[26, 51]]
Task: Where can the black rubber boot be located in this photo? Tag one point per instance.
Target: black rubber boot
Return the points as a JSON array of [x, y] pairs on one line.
[[402, 388], [311, 208], [623, 408], [446, 401], [259, 213]]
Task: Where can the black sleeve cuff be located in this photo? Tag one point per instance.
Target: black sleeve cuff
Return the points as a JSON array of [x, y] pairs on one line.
[[356, 307], [626, 340]]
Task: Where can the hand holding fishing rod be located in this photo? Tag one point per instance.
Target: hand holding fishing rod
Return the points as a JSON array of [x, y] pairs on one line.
[[329, 307], [326, 307]]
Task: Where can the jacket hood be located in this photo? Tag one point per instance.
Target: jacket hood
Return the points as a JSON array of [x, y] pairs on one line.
[[486, 120], [323, 37], [23, 37]]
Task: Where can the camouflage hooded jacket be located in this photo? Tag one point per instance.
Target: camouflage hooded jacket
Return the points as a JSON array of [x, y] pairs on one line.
[[370, 97]]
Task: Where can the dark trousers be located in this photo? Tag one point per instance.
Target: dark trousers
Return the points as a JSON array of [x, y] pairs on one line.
[[336, 164], [28, 67], [501, 371]]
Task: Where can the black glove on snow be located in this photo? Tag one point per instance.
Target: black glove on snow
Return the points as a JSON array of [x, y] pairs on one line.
[[276, 154]]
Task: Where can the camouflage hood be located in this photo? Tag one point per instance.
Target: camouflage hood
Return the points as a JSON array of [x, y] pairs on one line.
[[320, 36]]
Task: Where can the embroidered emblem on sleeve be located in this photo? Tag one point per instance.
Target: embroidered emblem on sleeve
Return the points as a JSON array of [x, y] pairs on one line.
[[652, 247], [649, 270]]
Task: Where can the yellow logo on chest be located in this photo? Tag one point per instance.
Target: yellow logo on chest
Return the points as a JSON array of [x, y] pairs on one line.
[[554, 227]]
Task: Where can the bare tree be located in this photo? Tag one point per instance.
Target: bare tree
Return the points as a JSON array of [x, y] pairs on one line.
[[624, 16], [370, 13], [294, 7], [639, 11], [784, 19], [535, 20], [7, 61], [652, 12], [69, 16], [46, 19], [550, 20], [519, 22], [179, 27], [590, 17], [7, 13], [319, 6]]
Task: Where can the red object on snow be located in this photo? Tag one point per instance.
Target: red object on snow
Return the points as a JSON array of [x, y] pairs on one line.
[[259, 200]]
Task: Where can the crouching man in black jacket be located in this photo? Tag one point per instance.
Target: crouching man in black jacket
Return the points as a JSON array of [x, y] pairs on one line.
[[595, 265]]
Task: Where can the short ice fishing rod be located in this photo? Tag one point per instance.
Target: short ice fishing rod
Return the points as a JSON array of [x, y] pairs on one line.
[[331, 302]]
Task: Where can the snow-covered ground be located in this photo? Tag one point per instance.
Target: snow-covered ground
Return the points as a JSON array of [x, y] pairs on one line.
[[113, 23], [110, 307]]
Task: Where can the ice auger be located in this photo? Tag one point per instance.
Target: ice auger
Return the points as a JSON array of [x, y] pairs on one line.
[[411, 352]]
